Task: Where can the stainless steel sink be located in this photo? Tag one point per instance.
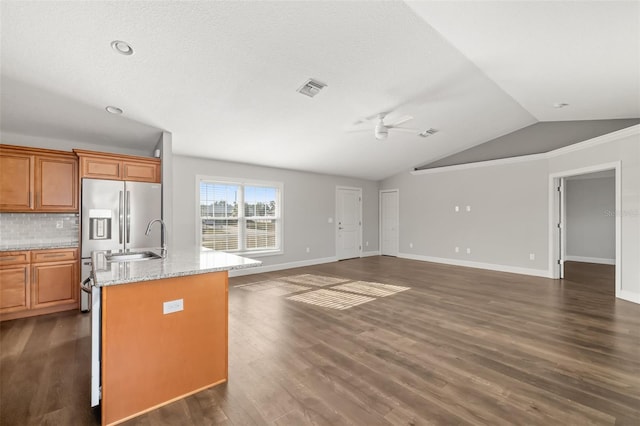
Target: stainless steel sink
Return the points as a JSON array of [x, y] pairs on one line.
[[132, 256]]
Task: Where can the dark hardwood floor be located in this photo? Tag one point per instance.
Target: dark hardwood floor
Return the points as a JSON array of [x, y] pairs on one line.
[[462, 346]]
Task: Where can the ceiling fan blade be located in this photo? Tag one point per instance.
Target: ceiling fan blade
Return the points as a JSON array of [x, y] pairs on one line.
[[364, 129], [405, 129], [400, 121]]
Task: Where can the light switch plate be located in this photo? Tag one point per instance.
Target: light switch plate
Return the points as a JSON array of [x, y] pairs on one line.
[[173, 306]]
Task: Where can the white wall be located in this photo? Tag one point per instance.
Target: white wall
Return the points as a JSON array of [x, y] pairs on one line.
[[309, 201], [509, 216], [507, 221], [590, 219]]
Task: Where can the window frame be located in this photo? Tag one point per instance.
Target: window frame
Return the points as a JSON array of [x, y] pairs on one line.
[[242, 183]]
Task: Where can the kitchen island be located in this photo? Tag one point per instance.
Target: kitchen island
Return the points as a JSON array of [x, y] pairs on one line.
[[163, 328]]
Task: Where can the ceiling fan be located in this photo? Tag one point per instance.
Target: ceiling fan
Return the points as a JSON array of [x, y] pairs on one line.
[[381, 129]]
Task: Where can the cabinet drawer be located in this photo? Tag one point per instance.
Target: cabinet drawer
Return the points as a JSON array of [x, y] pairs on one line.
[[13, 258], [56, 255]]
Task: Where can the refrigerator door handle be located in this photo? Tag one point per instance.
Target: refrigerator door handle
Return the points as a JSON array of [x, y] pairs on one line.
[[120, 218], [128, 202]]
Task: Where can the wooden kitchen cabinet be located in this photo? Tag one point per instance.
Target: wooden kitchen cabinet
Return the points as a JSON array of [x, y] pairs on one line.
[[56, 182], [14, 282], [38, 282], [97, 165], [16, 181], [37, 180], [54, 278]]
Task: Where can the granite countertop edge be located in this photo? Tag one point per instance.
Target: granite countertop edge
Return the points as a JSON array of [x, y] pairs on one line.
[[39, 246], [107, 283], [181, 264]]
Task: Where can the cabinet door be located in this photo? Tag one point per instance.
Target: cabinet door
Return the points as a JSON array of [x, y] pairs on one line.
[[56, 184], [101, 168], [141, 172], [16, 182], [54, 284], [14, 288]]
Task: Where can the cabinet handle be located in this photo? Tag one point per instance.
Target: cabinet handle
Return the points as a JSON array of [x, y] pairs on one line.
[[54, 255], [3, 259]]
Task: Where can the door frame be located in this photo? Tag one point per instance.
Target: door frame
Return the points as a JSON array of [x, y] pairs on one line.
[[350, 188], [555, 242], [397, 191]]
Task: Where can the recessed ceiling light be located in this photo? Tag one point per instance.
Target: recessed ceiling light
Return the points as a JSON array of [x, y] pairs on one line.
[[113, 110], [560, 105], [122, 47]]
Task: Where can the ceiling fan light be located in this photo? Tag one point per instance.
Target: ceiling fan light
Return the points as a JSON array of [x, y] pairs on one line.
[[382, 133]]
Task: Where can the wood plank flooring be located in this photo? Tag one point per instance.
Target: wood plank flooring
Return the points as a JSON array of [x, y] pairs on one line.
[[462, 346]]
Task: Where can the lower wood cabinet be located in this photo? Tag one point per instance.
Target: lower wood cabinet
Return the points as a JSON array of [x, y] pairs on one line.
[[14, 288], [54, 284], [38, 282]]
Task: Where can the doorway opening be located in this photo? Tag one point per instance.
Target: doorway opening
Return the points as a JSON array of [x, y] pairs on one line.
[[585, 230]]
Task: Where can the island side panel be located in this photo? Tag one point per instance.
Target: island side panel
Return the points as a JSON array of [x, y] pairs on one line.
[[149, 358]]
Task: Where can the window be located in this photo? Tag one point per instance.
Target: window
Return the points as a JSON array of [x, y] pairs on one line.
[[240, 216]]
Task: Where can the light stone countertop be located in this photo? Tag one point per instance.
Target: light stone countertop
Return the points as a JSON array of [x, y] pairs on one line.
[[178, 263], [37, 246]]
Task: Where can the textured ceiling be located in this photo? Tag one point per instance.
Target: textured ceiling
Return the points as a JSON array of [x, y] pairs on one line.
[[222, 76]]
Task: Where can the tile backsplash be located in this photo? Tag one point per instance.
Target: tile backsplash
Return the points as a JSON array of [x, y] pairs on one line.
[[38, 228]]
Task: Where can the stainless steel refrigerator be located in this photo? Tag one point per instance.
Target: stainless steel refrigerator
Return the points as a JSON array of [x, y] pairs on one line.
[[115, 215]]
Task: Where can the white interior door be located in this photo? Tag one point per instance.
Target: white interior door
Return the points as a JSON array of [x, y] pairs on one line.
[[389, 223], [349, 222]]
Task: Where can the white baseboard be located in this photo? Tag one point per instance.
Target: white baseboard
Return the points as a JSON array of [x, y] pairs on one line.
[[281, 266], [480, 265], [629, 296], [370, 253], [591, 260]]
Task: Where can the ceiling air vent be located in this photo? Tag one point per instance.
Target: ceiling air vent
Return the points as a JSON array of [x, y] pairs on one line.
[[311, 87], [430, 131]]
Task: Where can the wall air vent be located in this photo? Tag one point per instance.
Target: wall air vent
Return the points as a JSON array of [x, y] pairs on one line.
[[311, 87], [430, 131]]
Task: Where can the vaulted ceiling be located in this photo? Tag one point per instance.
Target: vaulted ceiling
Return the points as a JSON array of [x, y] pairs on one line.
[[222, 76]]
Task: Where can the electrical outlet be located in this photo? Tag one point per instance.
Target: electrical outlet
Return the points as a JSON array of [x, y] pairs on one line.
[[468, 208], [366, 244], [457, 249], [173, 306], [330, 220], [308, 249], [468, 250], [59, 224], [532, 256], [457, 209], [410, 245]]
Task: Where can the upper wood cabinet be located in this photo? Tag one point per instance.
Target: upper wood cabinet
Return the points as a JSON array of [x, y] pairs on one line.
[[97, 165], [16, 181], [38, 180]]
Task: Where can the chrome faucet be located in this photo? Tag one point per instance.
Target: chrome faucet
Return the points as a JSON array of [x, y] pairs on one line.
[[163, 230]]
